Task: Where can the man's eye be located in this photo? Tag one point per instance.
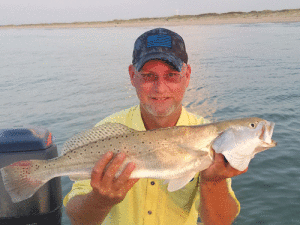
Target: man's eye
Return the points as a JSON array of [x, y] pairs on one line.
[[173, 77], [173, 74], [147, 75]]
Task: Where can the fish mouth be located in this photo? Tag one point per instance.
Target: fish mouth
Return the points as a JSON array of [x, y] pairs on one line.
[[266, 135]]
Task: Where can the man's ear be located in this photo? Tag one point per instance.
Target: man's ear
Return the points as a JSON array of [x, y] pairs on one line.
[[132, 73], [188, 74]]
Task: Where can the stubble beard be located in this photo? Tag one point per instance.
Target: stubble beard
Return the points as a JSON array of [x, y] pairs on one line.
[[151, 110]]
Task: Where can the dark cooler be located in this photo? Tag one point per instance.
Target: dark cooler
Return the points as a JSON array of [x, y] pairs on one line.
[[45, 206]]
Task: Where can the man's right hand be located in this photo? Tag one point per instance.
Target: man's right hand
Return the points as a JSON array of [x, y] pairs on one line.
[[107, 189]]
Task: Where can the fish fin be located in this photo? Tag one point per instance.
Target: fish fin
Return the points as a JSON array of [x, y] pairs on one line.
[[178, 183], [225, 141], [166, 182], [22, 179], [103, 131]]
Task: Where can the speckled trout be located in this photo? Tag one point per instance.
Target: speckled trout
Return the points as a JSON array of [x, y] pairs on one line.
[[174, 154]]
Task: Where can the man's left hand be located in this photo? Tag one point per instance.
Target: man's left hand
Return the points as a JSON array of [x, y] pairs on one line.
[[220, 170]]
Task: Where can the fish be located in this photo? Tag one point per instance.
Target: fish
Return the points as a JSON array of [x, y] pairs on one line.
[[174, 154]]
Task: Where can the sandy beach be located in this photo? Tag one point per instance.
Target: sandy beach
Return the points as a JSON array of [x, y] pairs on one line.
[[266, 16]]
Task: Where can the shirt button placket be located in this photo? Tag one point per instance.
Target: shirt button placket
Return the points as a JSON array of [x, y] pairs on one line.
[[152, 183], [152, 198]]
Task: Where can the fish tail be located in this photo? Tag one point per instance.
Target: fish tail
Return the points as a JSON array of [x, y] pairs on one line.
[[22, 179]]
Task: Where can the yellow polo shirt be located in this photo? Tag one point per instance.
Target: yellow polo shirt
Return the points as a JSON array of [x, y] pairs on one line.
[[148, 202]]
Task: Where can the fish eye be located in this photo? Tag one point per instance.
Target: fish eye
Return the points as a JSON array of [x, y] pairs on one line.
[[253, 125]]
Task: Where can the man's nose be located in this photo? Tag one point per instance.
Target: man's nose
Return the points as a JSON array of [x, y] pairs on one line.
[[160, 84]]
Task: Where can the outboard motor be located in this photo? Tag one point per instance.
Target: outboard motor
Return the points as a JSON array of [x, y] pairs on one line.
[[45, 206]]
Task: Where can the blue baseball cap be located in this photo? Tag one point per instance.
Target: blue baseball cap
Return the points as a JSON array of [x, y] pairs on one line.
[[162, 44]]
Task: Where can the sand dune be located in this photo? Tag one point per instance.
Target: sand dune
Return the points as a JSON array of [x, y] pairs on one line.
[[266, 16]]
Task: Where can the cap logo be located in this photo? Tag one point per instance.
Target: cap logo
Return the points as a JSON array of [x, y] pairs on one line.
[[159, 41]]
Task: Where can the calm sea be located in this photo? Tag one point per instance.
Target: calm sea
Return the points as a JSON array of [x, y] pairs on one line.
[[67, 80]]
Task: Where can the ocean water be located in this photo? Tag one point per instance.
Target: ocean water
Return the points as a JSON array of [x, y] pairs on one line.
[[67, 80]]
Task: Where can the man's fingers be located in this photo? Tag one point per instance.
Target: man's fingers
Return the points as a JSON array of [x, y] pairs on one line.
[[220, 158], [220, 169], [232, 172], [98, 169], [124, 176], [112, 169]]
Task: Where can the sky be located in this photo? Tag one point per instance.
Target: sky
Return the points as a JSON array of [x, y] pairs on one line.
[[67, 11]]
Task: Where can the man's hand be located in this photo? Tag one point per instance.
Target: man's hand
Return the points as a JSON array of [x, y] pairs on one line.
[[107, 189], [217, 206], [220, 170]]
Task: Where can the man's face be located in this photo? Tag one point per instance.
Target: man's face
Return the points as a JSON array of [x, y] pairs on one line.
[[160, 87]]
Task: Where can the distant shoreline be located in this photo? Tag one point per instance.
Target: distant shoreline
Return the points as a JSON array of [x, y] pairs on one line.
[[266, 16]]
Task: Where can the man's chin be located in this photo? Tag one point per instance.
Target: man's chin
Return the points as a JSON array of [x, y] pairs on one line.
[[160, 112]]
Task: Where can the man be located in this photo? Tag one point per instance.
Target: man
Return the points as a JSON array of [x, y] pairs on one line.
[[160, 74]]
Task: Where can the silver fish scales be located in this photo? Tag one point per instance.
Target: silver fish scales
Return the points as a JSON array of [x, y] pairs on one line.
[[174, 154]]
